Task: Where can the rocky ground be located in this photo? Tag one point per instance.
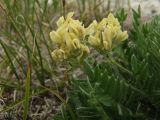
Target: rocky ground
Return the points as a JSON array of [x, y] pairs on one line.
[[148, 7]]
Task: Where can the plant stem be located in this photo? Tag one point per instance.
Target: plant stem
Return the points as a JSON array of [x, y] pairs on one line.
[[120, 66]]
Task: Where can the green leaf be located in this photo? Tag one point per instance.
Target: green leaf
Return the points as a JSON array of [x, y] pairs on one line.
[[27, 93], [134, 64], [89, 70]]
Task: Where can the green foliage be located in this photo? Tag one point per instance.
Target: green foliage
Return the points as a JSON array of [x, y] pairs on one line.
[[108, 93], [21, 18], [24, 39], [121, 15]]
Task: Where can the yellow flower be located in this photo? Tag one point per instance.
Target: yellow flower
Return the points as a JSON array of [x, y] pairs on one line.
[[95, 40], [102, 34], [114, 30], [91, 28], [107, 37], [111, 20], [58, 55], [60, 21], [121, 36], [84, 51], [76, 44], [102, 24], [70, 36], [56, 37], [69, 16], [77, 28], [72, 44], [105, 45]]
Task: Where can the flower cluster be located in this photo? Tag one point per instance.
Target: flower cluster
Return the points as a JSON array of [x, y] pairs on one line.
[[71, 36], [70, 39], [106, 34]]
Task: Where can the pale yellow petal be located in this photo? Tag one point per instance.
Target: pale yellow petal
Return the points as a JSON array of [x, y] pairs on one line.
[[106, 45], [76, 43], [107, 36], [70, 15], [85, 49], [72, 35], [69, 43], [92, 41], [58, 55], [77, 28], [73, 28], [60, 21], [95, 40], [55, 37], [121, 36], [102, 24], [112, 20], [91, 28]]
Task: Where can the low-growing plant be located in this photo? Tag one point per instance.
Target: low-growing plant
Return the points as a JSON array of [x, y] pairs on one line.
[[124, 85]]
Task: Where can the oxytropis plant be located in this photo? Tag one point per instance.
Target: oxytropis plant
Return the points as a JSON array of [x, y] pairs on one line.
[[74, 43]]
